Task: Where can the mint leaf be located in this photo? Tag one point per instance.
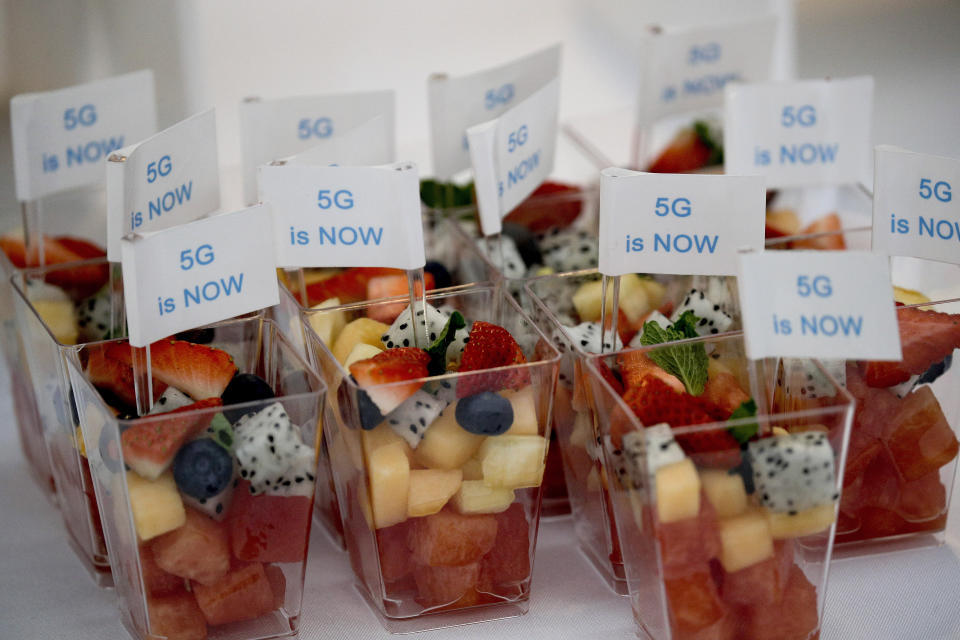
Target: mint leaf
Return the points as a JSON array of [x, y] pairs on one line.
[[438, 350], [744, 432], [710, 139], [688, 362]]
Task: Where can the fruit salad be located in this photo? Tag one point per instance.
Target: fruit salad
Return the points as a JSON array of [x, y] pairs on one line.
[[903, 445], [206, 500], [438, 445], [571, 305], [725, 505], [694, 147]]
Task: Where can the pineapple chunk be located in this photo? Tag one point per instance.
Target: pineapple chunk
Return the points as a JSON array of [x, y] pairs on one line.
[[784, 220], [633, 299], [156, 505], [328, 325], [361, 351], [476, 497], [656, 292], [725, 491], [802, 523], [381, 436], [908, 296], [744, 540], [513, 462], [446, 444], [678, 491], [389, 472], [360, 330], [430, 489], [524, 412], [59, 317], [472, 470]]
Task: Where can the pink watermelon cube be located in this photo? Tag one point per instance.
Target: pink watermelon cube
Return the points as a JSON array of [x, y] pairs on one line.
[[176, 617], [763, 582], [267, 528], [688, 545], [395, 561], [794, 618], [450, 539], [920, 438], [243, 594], [923, 498], [508, 561], [156, 581], [199, 550], [438, 586], [696, 609]]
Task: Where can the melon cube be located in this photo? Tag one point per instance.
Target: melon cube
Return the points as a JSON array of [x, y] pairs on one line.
[[176, 617], [379, 436], [921, 440], [794, 618], [438, 586], [744, 540], [763, 582], [508, 561], [447, 445], [430, 489], [60, 318], [360, 351], [242, 594], [678, 491], [474, 496], [329, 324], [524, 403], [472, 470], [156, 505], [156, 581], [268, 528], [725, 491], [690, 542], [695, 604], [802, 523], [448, 538], [199, 550], [395, 560], [633, 299], [388, 470], [513, 462]]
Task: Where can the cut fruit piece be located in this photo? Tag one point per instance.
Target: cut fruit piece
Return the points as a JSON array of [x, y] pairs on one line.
[[920, 438], [678, 491], [361, 351], [831, 240], [198, 370], [156, 581], [381, 436], [151, 444], [725, 491], [375, 376], [635, 366], [361, 330], [389, 286], [114, 378], [744, 540], [474, 497], [329, 324], [490, 346], [793, 618], [908, 296], [156, 505], [552, 205], [199, 550], [176, 617], [430, 490], [242, 594], [508, 561], [524, 405], [451, 539], [690, 543], [724, 391], [389, 476], [445, 585], [349, 285], [446, 445], [784, 221], [634, 300], [513, 462], [472, 470], [927, 337], [59, 317], [695, 605], [395, 561], [802, 523], [763, 582], [268, 528], [923, 499]]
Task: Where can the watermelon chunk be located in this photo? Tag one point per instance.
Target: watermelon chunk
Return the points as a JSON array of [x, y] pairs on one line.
[[395, 560], [268, 528], [450, 539], [689, 544], [199, 550], [508, 561], [150, 445], [278, 584], [156, 581], [923, 498], [927, 337], [455, 586], [176, 617], [242, 594], [795, 617], [920, 438], [696, 609], [763, 582], [350, 285]]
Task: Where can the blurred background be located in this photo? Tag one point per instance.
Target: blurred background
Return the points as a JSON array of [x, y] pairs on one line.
[[215, 52]]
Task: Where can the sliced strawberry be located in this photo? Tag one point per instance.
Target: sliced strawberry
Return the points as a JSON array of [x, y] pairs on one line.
[[14, 249], [197, 370], [114, 378], [635, 366], [350, 285], [692, 148], [390, 366], [380, 287], [724, 391], [545, 208], [82, 248], [490, 346], [926, 337], [150, 445], [607, 374], [81, 281], [828, 224]]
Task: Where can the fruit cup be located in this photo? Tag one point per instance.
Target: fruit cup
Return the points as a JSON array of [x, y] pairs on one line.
[[438, 456], [206, 503], [568, 307], [725, 501]]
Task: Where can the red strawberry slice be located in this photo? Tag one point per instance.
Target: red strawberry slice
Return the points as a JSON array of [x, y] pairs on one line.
[[635, 366], [114, 379], [380, 287], [392, 365], [551, 205], [689, 150], [197, 370], [927, 337], [490, 346], [82, 281], [826, 224], [350, 285], [150, 445]]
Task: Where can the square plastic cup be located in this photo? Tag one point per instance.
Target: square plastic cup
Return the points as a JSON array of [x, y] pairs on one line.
[[443, 534], [721, 540], [550, 301], [229, 565]]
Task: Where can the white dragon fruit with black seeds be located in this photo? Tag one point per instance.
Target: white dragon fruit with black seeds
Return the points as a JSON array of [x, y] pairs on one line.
[[94, 317], [653, 447], [586, 337], [512, 265], [266, 446], [802, 377], [720, 291], [298, 480], [655, 316], [460, 340], [400, 333], [411, 419], [172, 398], [215, 506], [793, 472], [712, 319], [570, 251]]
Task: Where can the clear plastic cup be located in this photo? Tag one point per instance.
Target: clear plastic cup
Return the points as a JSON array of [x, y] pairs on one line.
[[719, 539], [191, 558], [444, 533]]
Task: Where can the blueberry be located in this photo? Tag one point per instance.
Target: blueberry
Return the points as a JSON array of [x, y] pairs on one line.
[[936, 370], [370, 415], [526, 243], [485, 414], [109, 452], [245, 387], [441, 277], [202, 468]]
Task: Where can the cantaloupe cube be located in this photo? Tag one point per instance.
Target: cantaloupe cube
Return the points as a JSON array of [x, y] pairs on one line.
[[361, 330], [60, 318], [476, 497], [389, 473], [513, 462], [328, 325], [633, 299], [744, 540], [678, 491], [524, 403], [802, 523], [656, 292], [446, 444], [725, 491], [199, 550], [361, 351], [430, 489], [380, 436], [156, 505]]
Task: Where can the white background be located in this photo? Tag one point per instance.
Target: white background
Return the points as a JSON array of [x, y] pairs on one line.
[[911, 48]]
